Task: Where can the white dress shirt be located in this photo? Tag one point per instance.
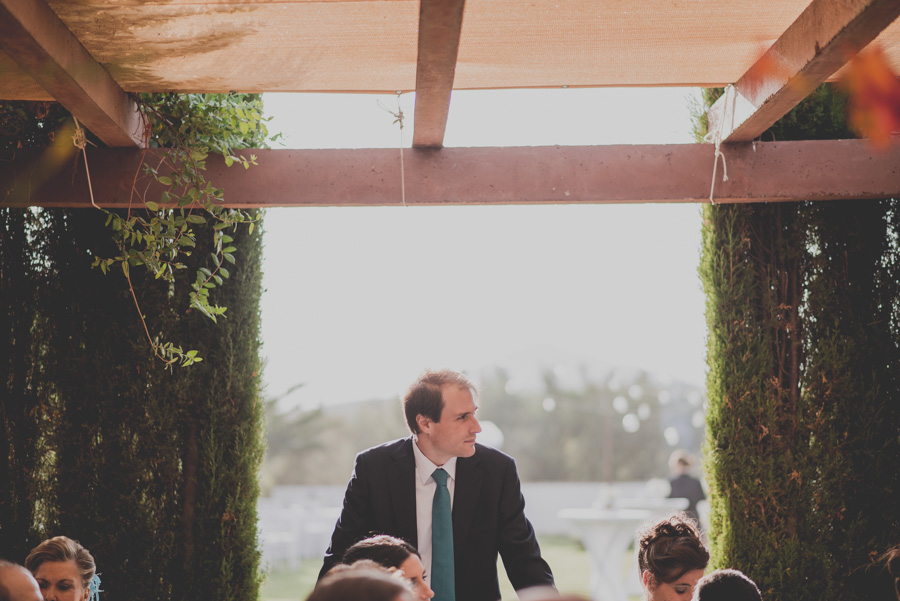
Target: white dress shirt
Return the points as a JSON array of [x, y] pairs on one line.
[[425, 487]]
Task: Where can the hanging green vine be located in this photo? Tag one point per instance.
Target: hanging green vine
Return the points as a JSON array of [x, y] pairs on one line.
[[159, 233]]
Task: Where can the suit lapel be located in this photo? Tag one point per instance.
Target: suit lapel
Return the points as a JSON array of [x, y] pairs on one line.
[[402, 484], [469, 475]]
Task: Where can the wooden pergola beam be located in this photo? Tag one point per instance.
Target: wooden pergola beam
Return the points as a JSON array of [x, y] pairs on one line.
[[41, 44], [760, 172], [822, 39], [440, 25]]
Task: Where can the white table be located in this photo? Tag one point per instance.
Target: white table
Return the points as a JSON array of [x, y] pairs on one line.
[[607, 534]]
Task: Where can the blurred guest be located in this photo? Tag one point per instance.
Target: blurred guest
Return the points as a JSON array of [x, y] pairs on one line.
[[393, 552], [684, 485], [17, 583], [546, 593], [362, 564], [726, 585], [361, 584], [880, 579], [64, 570], [891, 561], [671, 558]]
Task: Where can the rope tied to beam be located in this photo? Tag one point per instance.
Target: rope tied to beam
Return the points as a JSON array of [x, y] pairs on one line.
[[716, 137], [398, 118], [80, 141]]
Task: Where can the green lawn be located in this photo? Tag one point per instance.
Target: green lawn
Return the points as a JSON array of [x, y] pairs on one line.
[[569, 562], [566, 557]]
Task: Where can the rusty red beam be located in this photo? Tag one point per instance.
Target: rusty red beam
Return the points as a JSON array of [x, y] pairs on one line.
[[440, 25], [761, 172], [41, 44], [822, 39]]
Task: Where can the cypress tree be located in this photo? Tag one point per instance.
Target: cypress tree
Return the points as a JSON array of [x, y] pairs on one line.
[[802, 443], [852, 381], [153, 470], [26, 497], [755, 434], [19, 393]]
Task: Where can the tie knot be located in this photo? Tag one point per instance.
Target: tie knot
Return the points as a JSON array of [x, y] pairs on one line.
[[440, 476]]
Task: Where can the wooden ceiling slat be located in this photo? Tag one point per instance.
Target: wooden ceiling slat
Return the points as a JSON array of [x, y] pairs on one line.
[[761, 172], [818, 43], [42, 46], [440, 25]]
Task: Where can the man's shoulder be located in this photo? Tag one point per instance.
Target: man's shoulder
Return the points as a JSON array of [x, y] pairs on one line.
[[393, 447]]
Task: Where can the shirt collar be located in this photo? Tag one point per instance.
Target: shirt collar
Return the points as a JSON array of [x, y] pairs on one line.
[[424, 466]]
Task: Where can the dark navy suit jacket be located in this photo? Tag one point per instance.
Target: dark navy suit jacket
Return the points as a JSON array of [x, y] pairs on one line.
[[488, 516]]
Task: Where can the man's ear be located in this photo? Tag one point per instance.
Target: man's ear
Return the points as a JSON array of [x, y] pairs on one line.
[[423, 422]]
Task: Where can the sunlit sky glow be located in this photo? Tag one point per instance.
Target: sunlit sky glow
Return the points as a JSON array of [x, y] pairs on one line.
[[358, 301]]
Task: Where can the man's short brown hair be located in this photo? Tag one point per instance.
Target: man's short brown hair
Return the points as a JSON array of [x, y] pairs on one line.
[[425, 395]]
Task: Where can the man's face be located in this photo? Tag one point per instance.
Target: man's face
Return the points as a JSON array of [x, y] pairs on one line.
[[21, 584], [454, 435]]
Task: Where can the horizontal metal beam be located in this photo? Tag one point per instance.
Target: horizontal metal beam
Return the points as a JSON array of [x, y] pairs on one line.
[[760, 172], [44, 48], [822, 39], [440, 25]]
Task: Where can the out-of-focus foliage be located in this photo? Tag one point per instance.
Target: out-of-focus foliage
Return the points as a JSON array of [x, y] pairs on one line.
[[606, 428]]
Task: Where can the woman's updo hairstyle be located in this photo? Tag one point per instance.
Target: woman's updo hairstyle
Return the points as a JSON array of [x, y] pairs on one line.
[[671, 547], [62, 548], [388, 551]]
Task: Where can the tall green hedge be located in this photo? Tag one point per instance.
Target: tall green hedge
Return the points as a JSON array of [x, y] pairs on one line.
[[153, 470], [803, 444]]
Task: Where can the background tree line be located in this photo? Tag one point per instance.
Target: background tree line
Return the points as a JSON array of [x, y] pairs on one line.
[[583, 427]]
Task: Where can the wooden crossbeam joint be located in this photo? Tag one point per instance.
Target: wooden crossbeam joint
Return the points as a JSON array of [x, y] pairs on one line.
[[41, 44], [440, 25], [822, 39]]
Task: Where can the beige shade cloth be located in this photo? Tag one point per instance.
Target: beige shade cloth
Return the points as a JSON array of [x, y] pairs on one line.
[[371, 46]]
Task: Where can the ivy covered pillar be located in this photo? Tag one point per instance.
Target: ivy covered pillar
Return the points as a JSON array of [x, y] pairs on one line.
[[802, 449], [802, 454], [152, 468], [851, 380], [755, 463]]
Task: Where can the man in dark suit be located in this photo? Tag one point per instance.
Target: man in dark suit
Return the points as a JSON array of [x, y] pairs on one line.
[[683, 485], [391, 491]]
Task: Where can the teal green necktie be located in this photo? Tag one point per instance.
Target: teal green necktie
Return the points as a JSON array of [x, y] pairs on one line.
[[443, 574]]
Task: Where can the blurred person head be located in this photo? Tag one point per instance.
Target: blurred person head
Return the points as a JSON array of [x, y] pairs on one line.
[[361, 583], [358, 565], [17, 583], [64, 570], [393, 552], [879, 580], [671, 558], [726, 585], [680, 462], [545, 593], [891, 561]]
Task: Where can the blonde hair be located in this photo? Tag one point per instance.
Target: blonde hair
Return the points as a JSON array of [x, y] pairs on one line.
[[63, 548]]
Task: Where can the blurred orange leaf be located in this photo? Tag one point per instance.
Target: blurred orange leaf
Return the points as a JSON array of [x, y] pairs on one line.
[[874, 96]]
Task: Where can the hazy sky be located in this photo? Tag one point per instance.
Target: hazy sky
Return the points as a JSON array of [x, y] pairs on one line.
[[358, 301]]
